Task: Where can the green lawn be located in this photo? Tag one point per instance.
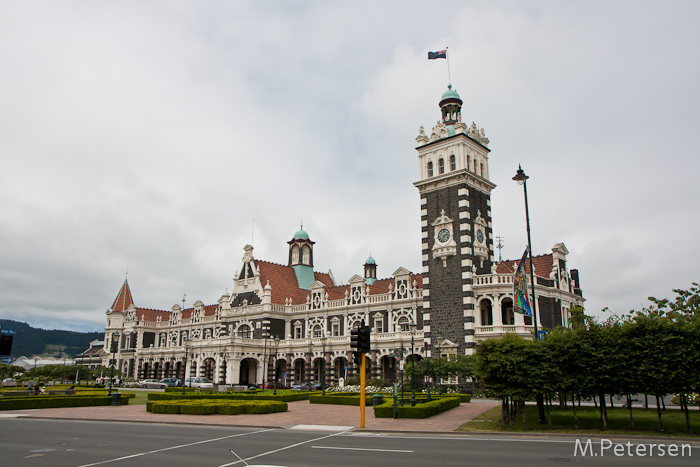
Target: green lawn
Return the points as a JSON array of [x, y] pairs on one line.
[[646, 422]]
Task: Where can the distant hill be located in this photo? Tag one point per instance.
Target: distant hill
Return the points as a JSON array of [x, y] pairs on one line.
[[30, 341]]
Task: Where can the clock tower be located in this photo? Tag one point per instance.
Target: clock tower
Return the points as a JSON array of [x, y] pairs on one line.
[[456, 229]]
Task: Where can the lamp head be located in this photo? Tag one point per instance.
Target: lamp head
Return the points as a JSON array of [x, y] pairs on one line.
[[520, 177], [413, 326]]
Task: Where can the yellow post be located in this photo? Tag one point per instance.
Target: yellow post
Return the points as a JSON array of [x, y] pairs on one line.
[[362, 391]]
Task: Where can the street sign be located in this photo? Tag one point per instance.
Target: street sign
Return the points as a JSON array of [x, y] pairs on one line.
[[7, 331], [7, 360]]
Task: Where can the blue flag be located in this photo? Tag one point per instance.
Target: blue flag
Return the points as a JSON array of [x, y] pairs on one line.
[[438, 54]]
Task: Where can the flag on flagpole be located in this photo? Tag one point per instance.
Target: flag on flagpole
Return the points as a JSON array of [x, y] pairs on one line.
[[438, 54], [521, 301]]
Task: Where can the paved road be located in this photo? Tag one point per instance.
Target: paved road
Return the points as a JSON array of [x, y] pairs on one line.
[[59, 443]]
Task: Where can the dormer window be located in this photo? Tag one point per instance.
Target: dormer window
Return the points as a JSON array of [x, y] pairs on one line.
[[244, 332]]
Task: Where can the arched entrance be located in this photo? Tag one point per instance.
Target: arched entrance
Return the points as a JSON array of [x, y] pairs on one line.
[[208, 366], [156, 370], [387, 368], [280, 370], [339, 365], [248, 373], [299, 367], [144, 370]]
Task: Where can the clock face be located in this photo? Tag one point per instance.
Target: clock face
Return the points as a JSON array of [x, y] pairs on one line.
[[443, 235], [480, 236]]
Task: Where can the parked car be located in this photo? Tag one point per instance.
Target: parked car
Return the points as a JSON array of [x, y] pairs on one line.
[[152, 384], [172, 382], [318, 386], [271, 385], [301, 387], [198, 382]]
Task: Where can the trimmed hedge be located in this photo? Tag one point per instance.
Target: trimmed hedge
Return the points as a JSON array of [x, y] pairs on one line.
[[289, 397], [45, 402], [341, 398], [216, 406], [421, 410]]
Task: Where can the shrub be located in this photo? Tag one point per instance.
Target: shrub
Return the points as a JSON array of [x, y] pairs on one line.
[[421, 410]]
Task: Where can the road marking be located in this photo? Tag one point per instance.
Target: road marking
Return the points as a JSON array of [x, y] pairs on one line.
[[359, 449], [245, 461], [13, 415], [322, 427], [174, 447]]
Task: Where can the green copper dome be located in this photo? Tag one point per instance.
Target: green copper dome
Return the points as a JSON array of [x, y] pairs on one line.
[[370, 260], [450, 94], [301, 235]]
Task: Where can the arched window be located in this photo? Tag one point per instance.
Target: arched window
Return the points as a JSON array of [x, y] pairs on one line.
[[453, 162], [507, 312], [403, 324], [430, 169], [481, 169], [295, 254], [318, 332], [306, 256], [244, 331], [486, 313], [469, 161], [441, 165]]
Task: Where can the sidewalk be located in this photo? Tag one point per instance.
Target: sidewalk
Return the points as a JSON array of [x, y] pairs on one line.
[[300, 413]]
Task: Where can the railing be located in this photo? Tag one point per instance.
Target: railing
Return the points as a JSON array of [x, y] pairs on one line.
[[504, 329], [488, 279]]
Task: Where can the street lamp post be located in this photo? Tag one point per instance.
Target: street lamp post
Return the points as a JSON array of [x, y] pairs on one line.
[[311, 362], [267, 363], [115, 343], [222, 371], [277, 343], [323, 364], [186, 344], [521, 178], [427, 356], [413, 327], [439, 340]]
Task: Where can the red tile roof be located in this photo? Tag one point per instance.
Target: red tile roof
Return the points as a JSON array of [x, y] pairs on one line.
[[543, 266], [124, 299], [283, 281]]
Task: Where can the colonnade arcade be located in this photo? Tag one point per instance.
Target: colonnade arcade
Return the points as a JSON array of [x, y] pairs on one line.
[[247, 368]]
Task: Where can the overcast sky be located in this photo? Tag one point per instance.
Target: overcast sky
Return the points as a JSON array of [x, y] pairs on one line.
[[147, 135]]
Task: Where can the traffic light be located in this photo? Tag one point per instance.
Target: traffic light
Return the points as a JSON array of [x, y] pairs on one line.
[[6, 344], [363, 339], [357, 358], [355, 339]]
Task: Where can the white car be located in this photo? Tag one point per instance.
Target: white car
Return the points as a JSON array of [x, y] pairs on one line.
[[198, 382], [152, 384]]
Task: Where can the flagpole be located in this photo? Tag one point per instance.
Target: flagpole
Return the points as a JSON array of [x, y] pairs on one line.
[[447, 55]]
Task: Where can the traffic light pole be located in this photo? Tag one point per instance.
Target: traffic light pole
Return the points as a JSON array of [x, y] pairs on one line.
[[362, 391]]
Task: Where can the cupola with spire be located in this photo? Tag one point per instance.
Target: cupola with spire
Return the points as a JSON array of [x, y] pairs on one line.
[[301, 258], [370, 270]]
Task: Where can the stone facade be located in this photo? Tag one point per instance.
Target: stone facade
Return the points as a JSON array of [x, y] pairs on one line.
[[292, 324]]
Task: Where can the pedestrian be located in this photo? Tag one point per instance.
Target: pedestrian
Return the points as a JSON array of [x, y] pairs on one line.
[[31, 384]]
